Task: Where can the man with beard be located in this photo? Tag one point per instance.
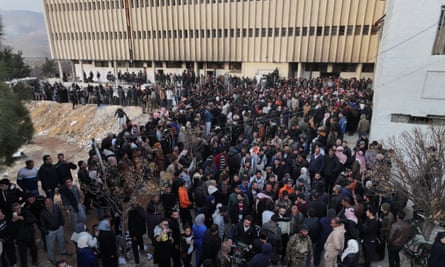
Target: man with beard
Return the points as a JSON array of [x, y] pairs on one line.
[[299, 248]]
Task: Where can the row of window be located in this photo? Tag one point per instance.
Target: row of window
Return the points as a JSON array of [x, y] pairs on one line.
[[93, 5], [222, 33]]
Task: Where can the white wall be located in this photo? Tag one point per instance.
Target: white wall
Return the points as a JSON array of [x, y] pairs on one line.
[[404, 60]]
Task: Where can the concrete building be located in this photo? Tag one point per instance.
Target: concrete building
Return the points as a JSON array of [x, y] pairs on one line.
[[410, 71], [302, 38]]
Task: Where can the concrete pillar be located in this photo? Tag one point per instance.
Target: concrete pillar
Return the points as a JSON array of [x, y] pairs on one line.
[[226, 67], [59, 66], [299, 70], [73, 71], [115, 73], [358, 70], [330, 68], [195, 68], [153, 69], [81, 70]]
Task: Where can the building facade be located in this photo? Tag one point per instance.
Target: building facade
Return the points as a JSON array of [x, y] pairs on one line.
[[410, 71], [245, 37]]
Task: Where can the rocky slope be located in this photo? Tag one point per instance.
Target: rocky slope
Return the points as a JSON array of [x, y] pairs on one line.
[[59, 128]]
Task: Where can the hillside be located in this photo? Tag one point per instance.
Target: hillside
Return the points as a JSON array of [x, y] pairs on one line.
[[59, 128]]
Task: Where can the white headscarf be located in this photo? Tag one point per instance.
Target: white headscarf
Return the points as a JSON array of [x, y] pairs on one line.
[[352, 248]]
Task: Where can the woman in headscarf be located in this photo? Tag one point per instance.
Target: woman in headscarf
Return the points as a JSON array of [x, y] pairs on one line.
[[349, 257], [107, 244], [199, 229]]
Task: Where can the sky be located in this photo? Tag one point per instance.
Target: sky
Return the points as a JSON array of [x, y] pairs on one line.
[[30, 5]]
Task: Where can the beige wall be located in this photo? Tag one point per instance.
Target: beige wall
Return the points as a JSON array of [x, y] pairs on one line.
[[251, 69], [234, 31]]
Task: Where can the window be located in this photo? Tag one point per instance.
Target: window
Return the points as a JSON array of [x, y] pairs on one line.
[[244, 32], [232, 32], [304, 32], [358, 29], [180, 34], [319, 31], [365, 29], [368, 67], [186, 33], [263, 32], [226, 33], [428, 119], [439, 42], [344, 67], [283, 31], [290, 31], [342, 30], [257, 32], [297, 31], [326, 30], [238, 32], [219, 33], [148, 34], [250, 32], [277, 32], [350, 29], [334, 30], [270, 32], [311, 30]]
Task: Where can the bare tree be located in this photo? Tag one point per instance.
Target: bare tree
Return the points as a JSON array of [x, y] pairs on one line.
[[416, 170]]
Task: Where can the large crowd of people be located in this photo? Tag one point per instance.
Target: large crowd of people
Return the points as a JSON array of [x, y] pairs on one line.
[[255, 172]]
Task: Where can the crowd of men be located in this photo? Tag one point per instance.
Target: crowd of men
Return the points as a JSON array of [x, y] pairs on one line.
[[248, 171]]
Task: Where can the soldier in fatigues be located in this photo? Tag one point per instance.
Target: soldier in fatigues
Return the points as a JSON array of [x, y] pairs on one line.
[[299, 249]]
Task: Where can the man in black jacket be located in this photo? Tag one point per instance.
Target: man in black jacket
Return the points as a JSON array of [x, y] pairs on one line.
[[9, 193], [36, 205], [369, 233], [22, 228], [48, 176], [64, 168], [244, 232], [137, 228], [173, 223], [211, 244], [52, 222], [8, 257]]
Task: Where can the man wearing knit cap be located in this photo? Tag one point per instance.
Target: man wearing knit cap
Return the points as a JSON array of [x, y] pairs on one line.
[[299, 248]]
